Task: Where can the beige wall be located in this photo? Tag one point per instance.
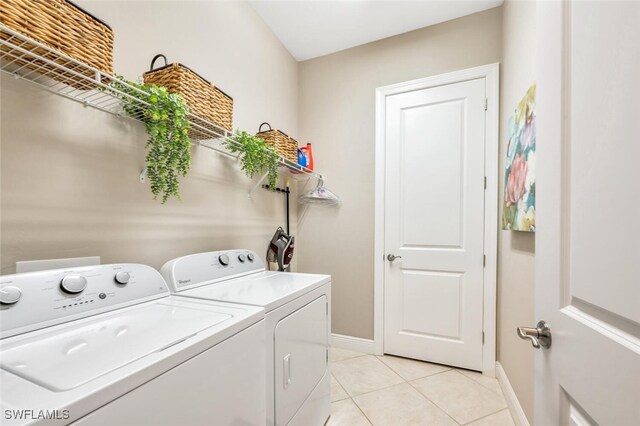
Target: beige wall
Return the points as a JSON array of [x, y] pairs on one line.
[[337, 114], [69, 174], [69, 178], [516, 249]]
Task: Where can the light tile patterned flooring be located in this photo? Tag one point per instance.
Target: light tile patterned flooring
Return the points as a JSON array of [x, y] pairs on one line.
[[391, 391]]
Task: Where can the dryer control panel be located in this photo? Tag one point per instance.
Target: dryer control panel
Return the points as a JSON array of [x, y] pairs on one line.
[[35, 300], [207, 268]]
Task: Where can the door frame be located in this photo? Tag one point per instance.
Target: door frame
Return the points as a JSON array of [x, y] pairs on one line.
[[491, 73]]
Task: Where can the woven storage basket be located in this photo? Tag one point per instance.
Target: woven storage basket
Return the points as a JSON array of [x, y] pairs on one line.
[[285, 145], [203, 98], [65, 27]]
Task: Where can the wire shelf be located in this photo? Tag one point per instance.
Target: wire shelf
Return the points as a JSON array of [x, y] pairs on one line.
[[36, 63]]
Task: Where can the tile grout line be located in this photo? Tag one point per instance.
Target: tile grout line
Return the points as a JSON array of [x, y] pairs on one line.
[[497, 393], [471, 421], [431, 375], [352, 398], [417, 378], [347, 359], [386, 387], [478, 382], [433, 402], [360, 354], [447, 367], [363, 413], [410, 383], [341, 385], [390, 386], [491, 414], [367, 393]]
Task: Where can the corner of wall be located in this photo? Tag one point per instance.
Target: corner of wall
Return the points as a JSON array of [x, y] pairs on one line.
[[516, 250]]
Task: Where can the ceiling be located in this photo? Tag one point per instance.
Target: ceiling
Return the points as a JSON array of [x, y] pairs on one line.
[[312, 28]]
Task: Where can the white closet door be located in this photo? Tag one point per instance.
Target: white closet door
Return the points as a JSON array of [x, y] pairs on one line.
[[434, 223]]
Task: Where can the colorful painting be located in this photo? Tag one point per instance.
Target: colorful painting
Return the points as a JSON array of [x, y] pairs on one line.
[[519, 209]]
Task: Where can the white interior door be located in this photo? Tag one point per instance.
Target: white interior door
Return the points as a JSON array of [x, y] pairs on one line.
[[434, 223], [587, 241]]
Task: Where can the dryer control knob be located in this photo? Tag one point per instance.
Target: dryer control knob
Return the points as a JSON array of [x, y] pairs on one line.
[[251, 257], [10, 295], [223, 259], [242, 258], [122, 277], [73, 284]]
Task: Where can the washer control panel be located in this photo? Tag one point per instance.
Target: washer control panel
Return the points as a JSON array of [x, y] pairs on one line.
[[207, 268], [40, 299]]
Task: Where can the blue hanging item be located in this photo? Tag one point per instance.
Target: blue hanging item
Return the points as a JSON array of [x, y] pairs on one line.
[[302, 158]]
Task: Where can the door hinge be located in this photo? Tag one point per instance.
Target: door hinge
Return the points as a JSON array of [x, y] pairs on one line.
[[483, 337], [327, 305], [484, 260], [486, 104], [485, 182]]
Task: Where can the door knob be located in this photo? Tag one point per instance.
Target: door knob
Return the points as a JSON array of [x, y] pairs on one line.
[[392, 257], [539, 336]]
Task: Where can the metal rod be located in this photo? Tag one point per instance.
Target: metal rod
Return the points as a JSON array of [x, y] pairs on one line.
[[286, 191], [264, 176], [287, 197]]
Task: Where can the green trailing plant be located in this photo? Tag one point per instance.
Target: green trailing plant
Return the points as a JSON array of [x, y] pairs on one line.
[[165, 117], [255, 156]]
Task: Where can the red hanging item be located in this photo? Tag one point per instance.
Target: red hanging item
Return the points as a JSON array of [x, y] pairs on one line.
[[306, 150]]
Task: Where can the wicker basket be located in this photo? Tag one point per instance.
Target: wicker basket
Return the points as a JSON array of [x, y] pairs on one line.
[[65, 27], [203, 98], [285, 145]]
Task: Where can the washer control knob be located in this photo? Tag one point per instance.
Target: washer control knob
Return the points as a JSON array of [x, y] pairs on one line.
[[73, 284], [242, 258], [251, 257], [223, 259], [10, 295], [122, 277]]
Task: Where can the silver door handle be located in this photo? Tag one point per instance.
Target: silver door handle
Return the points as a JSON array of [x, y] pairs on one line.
[[539, 336], [392, 257]]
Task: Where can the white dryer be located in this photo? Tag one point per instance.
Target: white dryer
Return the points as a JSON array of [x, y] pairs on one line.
[[108, 345], [298, 323]]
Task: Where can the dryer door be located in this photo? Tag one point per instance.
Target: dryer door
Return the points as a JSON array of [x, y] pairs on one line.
[[301, 356]]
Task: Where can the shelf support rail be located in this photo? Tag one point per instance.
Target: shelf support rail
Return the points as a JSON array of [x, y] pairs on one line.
[[254, 187], [62, 75]]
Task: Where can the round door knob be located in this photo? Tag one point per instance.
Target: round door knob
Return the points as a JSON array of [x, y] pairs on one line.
[[251, 257], [223, 259], [73, 284], [10, 295], [242, 258], [122, 277]]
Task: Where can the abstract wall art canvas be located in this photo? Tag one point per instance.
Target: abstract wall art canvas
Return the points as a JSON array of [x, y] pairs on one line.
[[519, 209]]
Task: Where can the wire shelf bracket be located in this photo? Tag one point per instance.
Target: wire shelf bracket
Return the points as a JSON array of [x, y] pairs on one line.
[[31, 61]]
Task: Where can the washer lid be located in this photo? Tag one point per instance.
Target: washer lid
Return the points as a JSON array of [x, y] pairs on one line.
[[268, 289], [76, 353]]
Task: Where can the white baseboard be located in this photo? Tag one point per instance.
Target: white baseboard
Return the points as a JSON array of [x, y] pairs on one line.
[[351, 343], [510, 396]]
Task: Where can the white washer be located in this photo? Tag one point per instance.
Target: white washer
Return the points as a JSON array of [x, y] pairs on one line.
[[298, 325], [108, 345]]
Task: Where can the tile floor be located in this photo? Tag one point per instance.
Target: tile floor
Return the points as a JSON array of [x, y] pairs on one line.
[[392, 391]]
